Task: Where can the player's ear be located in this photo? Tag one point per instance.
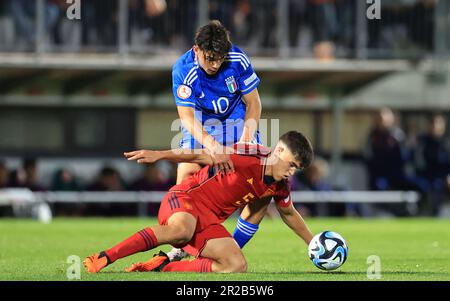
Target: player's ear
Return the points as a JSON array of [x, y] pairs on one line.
[[279, 149]]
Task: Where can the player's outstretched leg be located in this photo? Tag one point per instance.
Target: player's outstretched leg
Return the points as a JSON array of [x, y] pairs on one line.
[[180, 228], [141, 241], [96, 262], [220, 255], [155, 264], [161, 263]]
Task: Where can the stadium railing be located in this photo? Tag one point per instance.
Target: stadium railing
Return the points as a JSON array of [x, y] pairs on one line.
[[36, 203]]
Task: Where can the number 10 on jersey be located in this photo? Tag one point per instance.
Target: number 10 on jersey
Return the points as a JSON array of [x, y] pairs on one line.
[[221, 105]]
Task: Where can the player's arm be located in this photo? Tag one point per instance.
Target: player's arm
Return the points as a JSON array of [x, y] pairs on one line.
[[252, 115], [255, 212], [174, 155], [196, 129], [219, 153], [294, 220]]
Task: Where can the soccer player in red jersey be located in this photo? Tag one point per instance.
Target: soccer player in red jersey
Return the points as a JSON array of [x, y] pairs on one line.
[[191, 213]]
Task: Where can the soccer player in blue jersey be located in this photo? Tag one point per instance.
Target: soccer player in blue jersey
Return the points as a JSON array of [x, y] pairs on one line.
[[215, 90]]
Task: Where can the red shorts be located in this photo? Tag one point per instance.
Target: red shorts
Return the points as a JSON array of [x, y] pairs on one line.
[[208, 225]]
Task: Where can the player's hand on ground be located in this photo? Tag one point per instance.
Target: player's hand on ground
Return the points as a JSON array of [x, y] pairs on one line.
[[221, 158], [143, 156]]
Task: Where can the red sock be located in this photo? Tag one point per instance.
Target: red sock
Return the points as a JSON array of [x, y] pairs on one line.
[[141, 241], [202, 265]]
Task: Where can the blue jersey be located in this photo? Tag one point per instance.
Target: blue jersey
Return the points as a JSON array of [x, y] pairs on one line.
[[217, 99]]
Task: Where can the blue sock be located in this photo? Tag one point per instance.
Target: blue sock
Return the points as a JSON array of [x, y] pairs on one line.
[[244, 232]]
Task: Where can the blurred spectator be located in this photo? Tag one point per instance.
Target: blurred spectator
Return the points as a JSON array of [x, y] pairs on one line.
[[385, 153], [6, 27], [346, 31], [3, 175], [331, 23], [313, 179], [377, 28], [386, 157], [64, 180], [107, 180], [264, 18], [405, 25], [26, 176], [153, 178], [421, 23], [31, 175], [88, 24], [64, 32], [23, 13], [100, 22], [325, 24], [181, 26], [297, 18], [149, 17], [221, 10], [155, 8], [106, 21], [242, 22], [432, 161]]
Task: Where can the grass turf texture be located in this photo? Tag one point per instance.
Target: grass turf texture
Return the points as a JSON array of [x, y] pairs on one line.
[[409, 249]]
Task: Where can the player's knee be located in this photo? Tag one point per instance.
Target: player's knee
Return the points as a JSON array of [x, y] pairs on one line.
[[235, 264], [181, 235], [239, 265]]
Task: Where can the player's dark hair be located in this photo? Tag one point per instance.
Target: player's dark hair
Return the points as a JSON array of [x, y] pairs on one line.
[[214, 38], [300, 147]]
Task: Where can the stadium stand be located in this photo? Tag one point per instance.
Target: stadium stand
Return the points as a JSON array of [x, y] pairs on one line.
[[77, 93]]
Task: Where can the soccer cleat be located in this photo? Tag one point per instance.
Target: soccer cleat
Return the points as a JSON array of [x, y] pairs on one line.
[[156, 264], [95, 263], [177, 254]]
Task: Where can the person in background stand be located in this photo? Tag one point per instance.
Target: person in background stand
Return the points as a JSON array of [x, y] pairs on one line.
[[432, 161]]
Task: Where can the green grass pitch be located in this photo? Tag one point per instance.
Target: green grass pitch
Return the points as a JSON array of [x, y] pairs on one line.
[[409, 249]]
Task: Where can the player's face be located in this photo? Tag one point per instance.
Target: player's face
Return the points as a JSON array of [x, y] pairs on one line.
[[209, 61], [286, 165]]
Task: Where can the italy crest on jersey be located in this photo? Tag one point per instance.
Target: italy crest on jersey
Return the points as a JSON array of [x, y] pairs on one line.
[[231, 84]]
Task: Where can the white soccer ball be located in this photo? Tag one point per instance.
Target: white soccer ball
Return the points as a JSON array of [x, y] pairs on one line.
[[328, 250]]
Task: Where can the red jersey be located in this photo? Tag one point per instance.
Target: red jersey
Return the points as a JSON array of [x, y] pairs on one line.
[[223, 194]]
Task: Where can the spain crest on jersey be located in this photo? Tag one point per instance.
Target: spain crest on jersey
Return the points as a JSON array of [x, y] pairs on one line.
[[231, 84]]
